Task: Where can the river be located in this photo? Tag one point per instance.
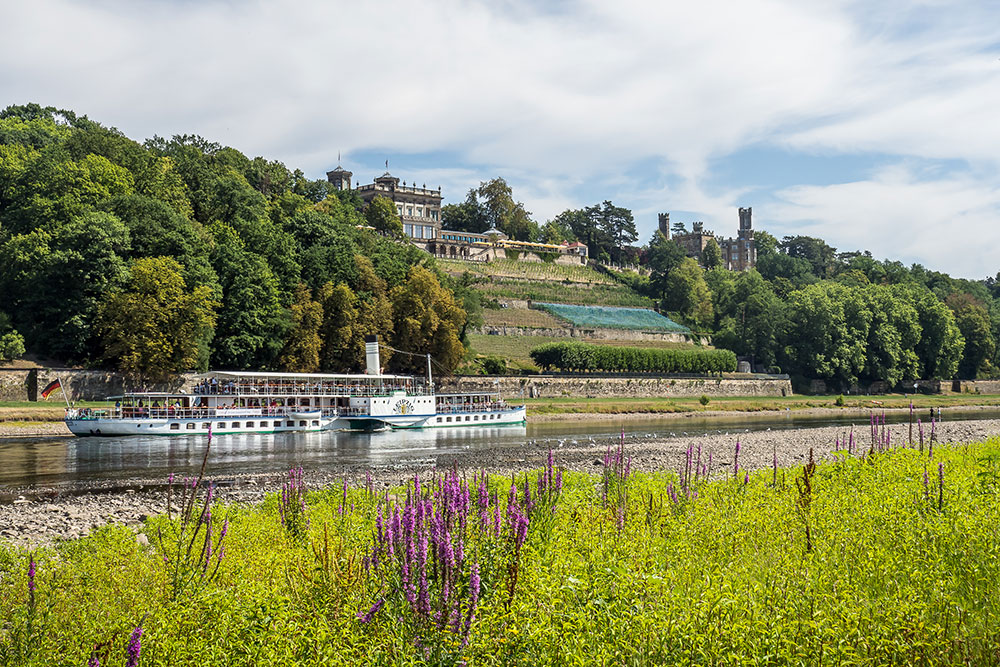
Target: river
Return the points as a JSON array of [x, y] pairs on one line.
[[67, 462]]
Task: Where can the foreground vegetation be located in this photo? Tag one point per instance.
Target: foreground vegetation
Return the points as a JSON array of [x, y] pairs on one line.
[[885, 555]]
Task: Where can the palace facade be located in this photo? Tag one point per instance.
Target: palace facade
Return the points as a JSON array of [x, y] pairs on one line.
[[738, 254]]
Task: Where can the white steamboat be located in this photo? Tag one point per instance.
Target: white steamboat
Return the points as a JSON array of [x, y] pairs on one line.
[[260, 402]]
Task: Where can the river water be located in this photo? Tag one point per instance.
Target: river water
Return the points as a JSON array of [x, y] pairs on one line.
[[70, 462]]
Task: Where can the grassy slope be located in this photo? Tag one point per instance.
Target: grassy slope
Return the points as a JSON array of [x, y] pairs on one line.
[[901, 571], [517, 348]]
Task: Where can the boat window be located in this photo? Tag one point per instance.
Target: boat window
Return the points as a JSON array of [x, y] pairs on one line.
[[448, 419], [175, 427], [236, 424], [191, 426], [277, 423], [467, 418], [315, 422], [302, 423], [220, 425], [249, 424], [206, 426]]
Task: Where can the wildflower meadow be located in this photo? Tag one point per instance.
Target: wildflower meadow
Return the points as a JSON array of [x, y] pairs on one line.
[[887, 554]]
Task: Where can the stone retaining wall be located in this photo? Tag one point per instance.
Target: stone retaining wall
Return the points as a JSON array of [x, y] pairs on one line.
[[587, 387], [977, 386], [79, 385]]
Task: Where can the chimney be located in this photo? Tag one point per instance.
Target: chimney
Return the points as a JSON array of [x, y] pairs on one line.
[[372, 362]]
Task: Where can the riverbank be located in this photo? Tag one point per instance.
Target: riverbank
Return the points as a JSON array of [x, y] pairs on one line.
[[39, 517]]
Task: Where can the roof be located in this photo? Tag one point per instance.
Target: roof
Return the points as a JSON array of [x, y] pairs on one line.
[[303, 376]]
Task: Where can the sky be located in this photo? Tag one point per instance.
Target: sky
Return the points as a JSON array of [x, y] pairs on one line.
[[872, 125]]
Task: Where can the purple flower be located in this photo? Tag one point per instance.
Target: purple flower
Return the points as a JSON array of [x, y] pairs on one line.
[[94, 662], [134, 647], [366, 617], [31, 581], [736, 460]]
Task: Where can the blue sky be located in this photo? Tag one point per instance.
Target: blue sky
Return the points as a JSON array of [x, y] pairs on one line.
[[871, 125]]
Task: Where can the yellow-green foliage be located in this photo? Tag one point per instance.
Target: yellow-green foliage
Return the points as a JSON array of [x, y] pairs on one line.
[[717, 577]]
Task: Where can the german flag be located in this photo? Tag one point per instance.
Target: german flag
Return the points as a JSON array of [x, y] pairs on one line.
[[52, 386]]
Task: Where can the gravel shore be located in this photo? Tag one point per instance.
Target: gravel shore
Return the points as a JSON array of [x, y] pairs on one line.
[[48, 517]]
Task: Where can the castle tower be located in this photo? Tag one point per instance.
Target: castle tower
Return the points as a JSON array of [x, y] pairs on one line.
[[665, 224], [746, 225], [340, 177]]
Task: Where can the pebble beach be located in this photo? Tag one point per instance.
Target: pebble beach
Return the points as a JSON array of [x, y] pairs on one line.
[[42, 517]]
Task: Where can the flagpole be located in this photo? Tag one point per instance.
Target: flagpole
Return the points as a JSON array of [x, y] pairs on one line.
[[65, 395]]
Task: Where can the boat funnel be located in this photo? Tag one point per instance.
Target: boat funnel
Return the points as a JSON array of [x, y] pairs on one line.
[[373, 365]]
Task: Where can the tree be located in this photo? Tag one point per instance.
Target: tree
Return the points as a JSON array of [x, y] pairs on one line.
[[750, 319], [940, 348], [974, 323], [426, 320], [821, 257], [504, 213], [154, 328], [467, 216], [340, 333], [616, 224], [251, 321], [663, 257], [302, 346], [678, 228], [765, 243], [711, 256], [687, 293], [585, 228], [381, 214]]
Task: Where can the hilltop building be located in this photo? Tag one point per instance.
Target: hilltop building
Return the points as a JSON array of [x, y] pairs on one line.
[[739, 254], [419, 208]]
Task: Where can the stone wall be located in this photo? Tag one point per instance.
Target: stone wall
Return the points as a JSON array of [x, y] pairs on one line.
[[546, 386], [977, 386], [79, 385]]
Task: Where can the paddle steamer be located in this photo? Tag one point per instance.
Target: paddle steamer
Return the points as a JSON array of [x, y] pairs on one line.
[[262, 402]]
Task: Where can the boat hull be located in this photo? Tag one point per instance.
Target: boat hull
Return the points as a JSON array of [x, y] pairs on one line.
[[99, 426], [513, 416]]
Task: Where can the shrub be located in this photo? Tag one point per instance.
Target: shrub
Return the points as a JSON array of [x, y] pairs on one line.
[[586, 357], [840, 401], [493, 365], [704, 400], [11, 346]]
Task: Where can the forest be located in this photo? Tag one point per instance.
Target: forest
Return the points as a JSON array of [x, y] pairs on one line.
[[177, 254]]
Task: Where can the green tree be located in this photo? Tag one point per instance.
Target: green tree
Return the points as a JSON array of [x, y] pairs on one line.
[[251, 322], [155, 327], [973, 322], [426, 320], [504, 213], [381, 214], [940, 348], [688, 294], [711, 256], [750, 319], [340, 333], [663, 256], [822, 258], [467, 216], [301, 352]]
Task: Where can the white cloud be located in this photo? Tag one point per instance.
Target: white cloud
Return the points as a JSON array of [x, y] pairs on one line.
[[944, 223], [563, 101]]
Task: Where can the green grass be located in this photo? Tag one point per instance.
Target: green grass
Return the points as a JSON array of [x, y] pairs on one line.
[[574, 293], [896, 570], [522, 317], [524, 270]]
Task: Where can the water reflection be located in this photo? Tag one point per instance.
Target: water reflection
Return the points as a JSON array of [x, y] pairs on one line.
[[62, 462]]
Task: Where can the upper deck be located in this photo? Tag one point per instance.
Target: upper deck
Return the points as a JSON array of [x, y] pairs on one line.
[[307, 384]]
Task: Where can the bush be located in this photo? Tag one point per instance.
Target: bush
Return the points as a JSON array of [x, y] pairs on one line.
[[840, 401], [704, 400], [11, 346], [493, 365], [587, 357]]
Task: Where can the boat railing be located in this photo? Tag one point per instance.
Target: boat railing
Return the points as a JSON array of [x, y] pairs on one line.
[[497, 406], [193, 413], [324, 389]]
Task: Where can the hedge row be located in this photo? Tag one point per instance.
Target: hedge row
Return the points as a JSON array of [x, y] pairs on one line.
[[587, 357]]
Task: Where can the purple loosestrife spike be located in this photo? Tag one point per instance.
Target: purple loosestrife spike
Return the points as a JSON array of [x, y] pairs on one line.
[[746, 477], [559, 481], [927, 485], [367, 616], [930, 449], [940, 485], [134, 647], [94, 662], [31, 581], [736, 459]]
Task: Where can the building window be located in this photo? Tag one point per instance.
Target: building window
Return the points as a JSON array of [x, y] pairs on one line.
[[434, 215], [408, 230], [399, 209], [409, 211], [420, 212]]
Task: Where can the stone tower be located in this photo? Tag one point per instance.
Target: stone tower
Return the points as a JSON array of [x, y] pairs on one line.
[[340, 177], [665, 224]]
